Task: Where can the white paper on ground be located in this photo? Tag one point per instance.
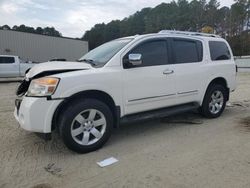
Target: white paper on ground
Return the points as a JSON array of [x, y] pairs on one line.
[[107, 162]]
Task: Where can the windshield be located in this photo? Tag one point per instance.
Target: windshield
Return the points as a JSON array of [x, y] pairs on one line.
[[102, 54]]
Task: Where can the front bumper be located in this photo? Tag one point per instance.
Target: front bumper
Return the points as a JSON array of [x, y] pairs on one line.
[[35, 114]]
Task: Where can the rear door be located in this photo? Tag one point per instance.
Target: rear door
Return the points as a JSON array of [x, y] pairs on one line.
[[190, 72], [9, 66]]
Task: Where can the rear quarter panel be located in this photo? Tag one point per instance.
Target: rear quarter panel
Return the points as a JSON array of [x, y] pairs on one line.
[[219, 69]]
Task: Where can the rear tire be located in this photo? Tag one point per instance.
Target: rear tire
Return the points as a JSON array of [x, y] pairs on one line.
[[214, 101], [85, 125]]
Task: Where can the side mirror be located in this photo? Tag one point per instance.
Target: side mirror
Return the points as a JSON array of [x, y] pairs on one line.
[[135, 59]]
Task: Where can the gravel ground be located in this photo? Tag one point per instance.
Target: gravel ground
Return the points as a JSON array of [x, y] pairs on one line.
[[184, 151]]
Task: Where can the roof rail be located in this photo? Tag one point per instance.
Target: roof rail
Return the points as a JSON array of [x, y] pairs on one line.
[[188, 33]]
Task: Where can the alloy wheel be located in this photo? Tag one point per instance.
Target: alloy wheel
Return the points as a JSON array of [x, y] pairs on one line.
[[216, 102], [88, 127]]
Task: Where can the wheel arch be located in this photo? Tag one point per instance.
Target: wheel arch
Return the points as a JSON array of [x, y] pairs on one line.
[[220, 81], [93, 94]]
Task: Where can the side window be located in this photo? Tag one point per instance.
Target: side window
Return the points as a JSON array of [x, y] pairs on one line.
[[7, 60], [187, 51], [153, 53], [219, 51]]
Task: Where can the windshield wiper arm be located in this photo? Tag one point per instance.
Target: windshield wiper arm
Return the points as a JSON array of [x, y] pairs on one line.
[[90, 61]]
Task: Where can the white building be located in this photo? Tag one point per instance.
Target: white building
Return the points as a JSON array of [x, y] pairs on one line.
[[40, 48]]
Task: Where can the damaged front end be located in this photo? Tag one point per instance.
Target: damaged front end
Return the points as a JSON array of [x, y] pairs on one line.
[[24, 86], [38, 75]]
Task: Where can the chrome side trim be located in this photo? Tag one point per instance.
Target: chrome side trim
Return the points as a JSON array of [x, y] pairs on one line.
[[187, 92], [133, 100]]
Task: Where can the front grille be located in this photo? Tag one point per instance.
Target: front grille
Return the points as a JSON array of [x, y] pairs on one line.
[[22, 88]]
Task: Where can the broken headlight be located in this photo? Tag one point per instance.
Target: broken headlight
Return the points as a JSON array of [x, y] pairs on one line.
[[42, 87]]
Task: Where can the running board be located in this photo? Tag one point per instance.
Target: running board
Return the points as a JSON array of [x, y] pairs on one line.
[[159, 113]]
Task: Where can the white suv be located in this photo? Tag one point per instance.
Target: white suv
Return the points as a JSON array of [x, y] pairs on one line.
[[128, 79]]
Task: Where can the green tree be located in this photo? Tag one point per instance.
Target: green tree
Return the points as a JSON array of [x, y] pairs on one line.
[[51, 31], [230, 23], [39, 30], [5, 27], [197, 14], [239, 13]]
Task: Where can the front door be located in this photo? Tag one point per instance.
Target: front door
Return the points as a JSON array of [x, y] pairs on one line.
[[150, 85]]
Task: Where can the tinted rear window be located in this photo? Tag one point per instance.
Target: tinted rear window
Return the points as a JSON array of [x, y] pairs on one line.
[[187, 51], [4, 60], [219, 51]]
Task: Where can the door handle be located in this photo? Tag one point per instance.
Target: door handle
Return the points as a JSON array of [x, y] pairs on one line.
[[168, 71]]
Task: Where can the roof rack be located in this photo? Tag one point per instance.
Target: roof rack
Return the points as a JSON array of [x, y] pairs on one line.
[[188, 33]]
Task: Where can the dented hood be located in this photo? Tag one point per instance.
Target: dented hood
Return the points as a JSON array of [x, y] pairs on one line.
[[56, 67]]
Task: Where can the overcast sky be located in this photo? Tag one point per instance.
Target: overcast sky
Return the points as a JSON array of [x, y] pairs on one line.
[[72, 17]]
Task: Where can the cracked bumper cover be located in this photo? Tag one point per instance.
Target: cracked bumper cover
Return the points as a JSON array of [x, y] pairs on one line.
[[35, 114]]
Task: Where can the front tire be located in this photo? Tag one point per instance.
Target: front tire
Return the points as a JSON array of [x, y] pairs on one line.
[[85, 125], [214, 101]]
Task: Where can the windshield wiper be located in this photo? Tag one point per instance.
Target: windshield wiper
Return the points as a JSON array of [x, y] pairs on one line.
[[90, 61]]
